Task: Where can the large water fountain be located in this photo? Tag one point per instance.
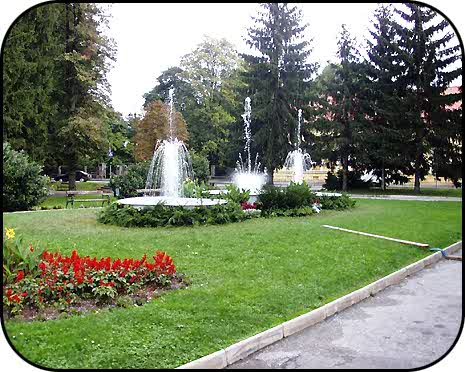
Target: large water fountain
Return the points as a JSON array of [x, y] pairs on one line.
[[170, 167], [246, 176], [297, 160]]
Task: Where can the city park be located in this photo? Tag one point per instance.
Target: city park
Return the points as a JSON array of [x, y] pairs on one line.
[[172, 266]]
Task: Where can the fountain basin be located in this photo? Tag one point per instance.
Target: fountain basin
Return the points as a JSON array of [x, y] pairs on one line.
[[319, 193], [147, 201]]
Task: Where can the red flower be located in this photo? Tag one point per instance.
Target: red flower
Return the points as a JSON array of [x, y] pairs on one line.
[[24, 294], [19, 276]]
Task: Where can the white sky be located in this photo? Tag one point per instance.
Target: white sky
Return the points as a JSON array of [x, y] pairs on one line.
[[152, 37]]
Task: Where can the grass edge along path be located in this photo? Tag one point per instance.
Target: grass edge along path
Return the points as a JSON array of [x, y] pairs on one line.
[[247, 277]]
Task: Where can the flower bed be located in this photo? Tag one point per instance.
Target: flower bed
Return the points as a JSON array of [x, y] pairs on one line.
[[57, 280]]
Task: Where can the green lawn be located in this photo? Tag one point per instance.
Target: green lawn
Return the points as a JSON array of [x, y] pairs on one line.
[[81, 186], [247, 277], [59, 200], [402, 191]]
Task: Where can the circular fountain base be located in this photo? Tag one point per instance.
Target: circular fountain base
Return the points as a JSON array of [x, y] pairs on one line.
[[171, 201]]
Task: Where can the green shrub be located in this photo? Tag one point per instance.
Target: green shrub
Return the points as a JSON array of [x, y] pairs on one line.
[[294, 196], [23, 185], [235, 195], [160, 215], [195, 189], [200, 166], [134, 179], [336, 202]]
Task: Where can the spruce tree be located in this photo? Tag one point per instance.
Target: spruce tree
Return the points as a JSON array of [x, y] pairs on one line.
[[384, 136], [337, 108], [277, 79], [428, 59], [30, 79]]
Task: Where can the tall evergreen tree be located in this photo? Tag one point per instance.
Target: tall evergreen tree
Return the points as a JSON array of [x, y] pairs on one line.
[[55, 90], [30, 79], [428, 59], [338, 108], [85, 62], [277, 79], [383, 135]]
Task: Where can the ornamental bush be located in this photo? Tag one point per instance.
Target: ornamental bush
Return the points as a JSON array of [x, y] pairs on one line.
[[23, 185], [298, 200], [160, 215], [293, 196], [135, 178], [336, 202], [200, 166]]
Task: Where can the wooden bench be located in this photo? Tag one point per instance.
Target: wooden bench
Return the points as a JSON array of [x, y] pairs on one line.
[[71, 197]]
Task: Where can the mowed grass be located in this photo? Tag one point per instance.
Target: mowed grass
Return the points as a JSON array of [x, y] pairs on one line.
[[405, 191], [247, 277], [59, 200]]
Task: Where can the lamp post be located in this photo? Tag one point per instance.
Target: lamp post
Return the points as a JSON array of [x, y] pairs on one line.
[[110, 156]]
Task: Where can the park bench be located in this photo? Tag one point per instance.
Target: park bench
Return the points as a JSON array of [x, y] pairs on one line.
[[71, 197]]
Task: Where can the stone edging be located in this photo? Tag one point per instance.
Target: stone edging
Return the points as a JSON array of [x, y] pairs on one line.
[[240, 350]]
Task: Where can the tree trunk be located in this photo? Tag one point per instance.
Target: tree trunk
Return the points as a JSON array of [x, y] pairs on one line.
[[269, 180], [345, 171], [383, 179], [72, 177], [416, 188]]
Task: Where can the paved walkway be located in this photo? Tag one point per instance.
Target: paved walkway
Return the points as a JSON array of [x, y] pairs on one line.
[[407, 197], [408, 325]]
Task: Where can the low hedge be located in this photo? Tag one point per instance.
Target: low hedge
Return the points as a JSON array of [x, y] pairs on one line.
[[160, 215], [292, 197], [336, 202]]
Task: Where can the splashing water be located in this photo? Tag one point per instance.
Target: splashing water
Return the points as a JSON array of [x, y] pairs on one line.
[[246, 176], [169, 168], [297, 160], [171, 163]]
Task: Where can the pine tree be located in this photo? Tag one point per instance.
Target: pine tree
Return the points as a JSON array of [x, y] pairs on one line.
[[337, 104], [277, 79], [30, 79], [55, 90], [428, 59], [384, 136]]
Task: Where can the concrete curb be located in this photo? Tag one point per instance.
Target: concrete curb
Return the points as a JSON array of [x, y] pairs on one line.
[[242, 349]]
